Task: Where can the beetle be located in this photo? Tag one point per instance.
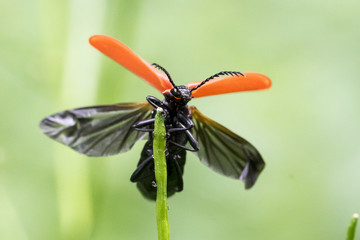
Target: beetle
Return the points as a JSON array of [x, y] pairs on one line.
[[111, 129]]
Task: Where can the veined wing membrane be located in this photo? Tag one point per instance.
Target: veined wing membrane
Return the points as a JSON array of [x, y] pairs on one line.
[[98, 130], [224, 151]]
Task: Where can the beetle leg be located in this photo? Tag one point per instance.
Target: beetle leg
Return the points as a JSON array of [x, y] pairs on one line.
[[184, 147], [188, 124], [137, 126], [136, 176], [171, 130], [154, 102], [185, 120], [193, 142]]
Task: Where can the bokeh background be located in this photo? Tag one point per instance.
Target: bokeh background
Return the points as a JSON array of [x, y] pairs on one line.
[[306, 126]]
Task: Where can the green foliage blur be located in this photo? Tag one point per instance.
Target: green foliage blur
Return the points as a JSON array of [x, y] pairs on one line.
[[307, 126]]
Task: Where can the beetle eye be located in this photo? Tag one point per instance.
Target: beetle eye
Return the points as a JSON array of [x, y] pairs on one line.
[[175, 92]]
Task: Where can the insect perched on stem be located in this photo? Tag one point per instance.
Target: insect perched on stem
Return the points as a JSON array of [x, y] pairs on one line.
[[111, 129]]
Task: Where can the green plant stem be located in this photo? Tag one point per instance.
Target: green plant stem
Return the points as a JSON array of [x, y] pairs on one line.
[[161, 176], [352, 227]]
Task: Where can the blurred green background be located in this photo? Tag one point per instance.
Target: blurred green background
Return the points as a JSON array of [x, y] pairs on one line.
[[306, 126]]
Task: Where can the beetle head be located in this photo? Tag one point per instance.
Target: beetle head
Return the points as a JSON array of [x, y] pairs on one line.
[[180, 95]]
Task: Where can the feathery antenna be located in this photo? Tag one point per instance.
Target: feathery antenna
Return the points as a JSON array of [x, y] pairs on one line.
[[232, 73], [166, 72]]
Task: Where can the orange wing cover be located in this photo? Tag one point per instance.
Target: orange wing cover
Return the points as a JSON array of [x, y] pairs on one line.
[[251, 81], [123, 55]]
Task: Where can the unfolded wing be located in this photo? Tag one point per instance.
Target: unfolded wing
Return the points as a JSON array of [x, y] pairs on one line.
[[224, 151], [98, 130], [123, 55], [229, 84]]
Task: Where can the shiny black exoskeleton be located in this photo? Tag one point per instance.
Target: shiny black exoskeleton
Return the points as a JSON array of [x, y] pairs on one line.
[[178, 125]]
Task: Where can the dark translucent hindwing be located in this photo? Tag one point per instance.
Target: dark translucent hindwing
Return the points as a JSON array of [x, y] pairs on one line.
[[224, 151], [98, 130]]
